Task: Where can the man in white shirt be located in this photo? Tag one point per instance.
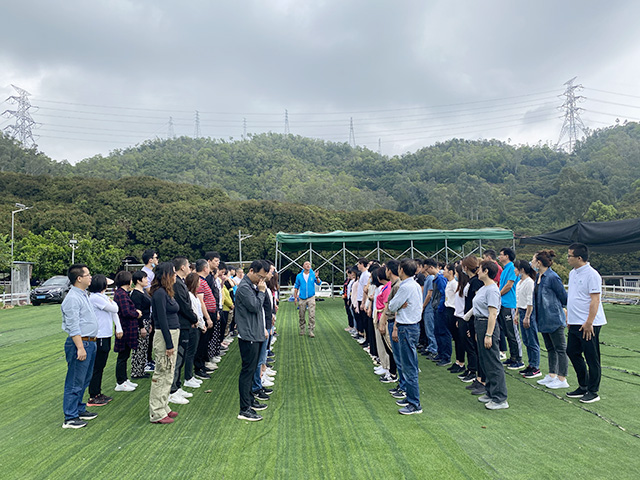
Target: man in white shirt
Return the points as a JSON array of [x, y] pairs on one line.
[[585, 318]]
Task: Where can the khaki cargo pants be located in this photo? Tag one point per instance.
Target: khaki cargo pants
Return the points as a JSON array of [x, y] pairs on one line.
[[162, 376], [303, 305]]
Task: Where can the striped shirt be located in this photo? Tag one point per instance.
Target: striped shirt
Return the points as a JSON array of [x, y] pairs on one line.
[[209, 299]]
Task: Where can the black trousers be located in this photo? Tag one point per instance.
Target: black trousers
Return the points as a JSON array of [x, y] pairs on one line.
[[468, 344], [202, 354], [121, 365], [472, 332], [224, 320], [349, 313], [183, 348], [360, 321], [577, 346], [194, 337], [250, 354], [102, 354], [455, 334]]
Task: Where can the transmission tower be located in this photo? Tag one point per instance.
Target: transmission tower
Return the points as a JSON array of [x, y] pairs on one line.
[[286, 122], [380, 147], [352, 135], [170, 132], [572, 122], [244, 128], [22, 128], [196, 132]]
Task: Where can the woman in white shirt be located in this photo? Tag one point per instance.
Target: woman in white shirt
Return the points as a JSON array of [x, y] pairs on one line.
[[449, 308], [106, 311], [528, 325], [197, 305]]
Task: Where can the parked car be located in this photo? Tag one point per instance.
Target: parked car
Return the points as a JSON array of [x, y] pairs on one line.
[[52, 290]]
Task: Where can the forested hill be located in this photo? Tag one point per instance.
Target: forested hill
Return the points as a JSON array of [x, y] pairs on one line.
[[462, 183]]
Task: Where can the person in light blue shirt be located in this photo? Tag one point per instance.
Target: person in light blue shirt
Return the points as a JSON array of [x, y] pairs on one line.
[[407, 302], [304, 293], [506, 315], [81, 324]]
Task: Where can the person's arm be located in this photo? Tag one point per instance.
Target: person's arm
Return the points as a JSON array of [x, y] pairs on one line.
[[506, 288], [317, 280], [296, 293], [71, 315], [126, 306], [587, 327], [558, 289], [427, 299], [251, 302], [526, 322], [205, 313], [159, 308], [401, 296], [181, 295], [491, 325]]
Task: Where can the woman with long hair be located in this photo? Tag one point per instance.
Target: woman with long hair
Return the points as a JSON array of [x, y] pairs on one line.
[[164, 310], [470, 266], [197, 305], [129, 316], [142, 301], [549, 296], [464, 345], [528, 325]]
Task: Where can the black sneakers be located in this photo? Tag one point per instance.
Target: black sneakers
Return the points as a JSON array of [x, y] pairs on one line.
[[468, 378], [577, 393], [398, 394], [87, 415], [258, 406], [74, 423], [589, 397], [455, 368], [402, 402], [202, 375], [260, 395], [249, 415]]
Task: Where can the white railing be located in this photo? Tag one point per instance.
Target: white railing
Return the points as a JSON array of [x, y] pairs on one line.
[[618, 294], [15, 298], [325, 290]]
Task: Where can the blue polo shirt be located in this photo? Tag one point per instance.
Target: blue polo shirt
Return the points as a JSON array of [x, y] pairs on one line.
[[508, 273], [306, 289]]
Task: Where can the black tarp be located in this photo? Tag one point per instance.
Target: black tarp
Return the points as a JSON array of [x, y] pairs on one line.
[[621, 236]]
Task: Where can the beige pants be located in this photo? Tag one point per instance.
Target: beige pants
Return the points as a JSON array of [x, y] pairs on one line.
[[382, 353], [303, 305], [162, 375]]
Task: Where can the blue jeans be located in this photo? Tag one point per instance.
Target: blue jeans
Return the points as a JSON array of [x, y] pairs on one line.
[[262, 360], [427, 318], [530, 339], [78, 377], [408, 336], [395, 349], [443, 336]]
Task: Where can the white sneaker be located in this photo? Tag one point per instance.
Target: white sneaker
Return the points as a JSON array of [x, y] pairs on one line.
[[197, 380], [379, 370], [130, 383], [123, 387], [547, 379], [267, 383], [557, 383], [191, 383], [270, 372], [503, 356], [184, 394], [216, 359], [175, 398], [267, 377]]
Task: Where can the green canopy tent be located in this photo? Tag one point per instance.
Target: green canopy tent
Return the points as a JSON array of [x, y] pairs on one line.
[[412, 243]]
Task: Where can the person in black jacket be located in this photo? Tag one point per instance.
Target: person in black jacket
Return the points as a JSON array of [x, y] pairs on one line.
[[267, 307], [252, 333], [188, 324]]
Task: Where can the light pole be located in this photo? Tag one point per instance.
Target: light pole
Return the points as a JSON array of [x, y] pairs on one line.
[[240, 239], [21, 208], [73, 243]]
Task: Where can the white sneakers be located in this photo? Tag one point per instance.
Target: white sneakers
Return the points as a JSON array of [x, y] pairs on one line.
[[266, 382], [177, 398], [547, 379], [211, 365], [270, 372], [557, 383], [192, 383], [216, 359], [380, 370], [124, 387], [184, 394], [130, 383]]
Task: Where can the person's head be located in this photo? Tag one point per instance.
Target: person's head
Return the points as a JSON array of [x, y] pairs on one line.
[[407, 268], [232, 271], [239, 273], [381, 274], [165, 278], [506, 255], [488, 270], [140, 279], [430, 266], [489, 254], [181, 264], [578, 255], [150, 257], [270, 268], [258, 270], [362, 264], [543, 259], [470, 265], [213, 258], [123, 279], [222, 269], [449, 271], [192, 282], [306, 266], [524, 270], [202, 267], [79, 276], [98, 283], [272, 284], [392, 269]]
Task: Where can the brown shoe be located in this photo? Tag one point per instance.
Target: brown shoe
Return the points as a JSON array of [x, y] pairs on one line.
[[166, 419], [172, 414]]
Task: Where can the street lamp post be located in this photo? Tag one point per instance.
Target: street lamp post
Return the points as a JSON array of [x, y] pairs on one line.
[[21, 208], [73, 243], [240, 239]]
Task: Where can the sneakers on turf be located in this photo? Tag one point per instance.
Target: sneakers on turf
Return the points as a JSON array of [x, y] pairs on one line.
[[402, 402], [191, 383], [394, 390], [203, 375], [260, 395], [479, 391], [503, 356], [184, 394], [175, 398], [399, 394], [210, 365], [379, 370], [86, 415], [105, 398], [388, 378], [249, 415], [474, 384], [74, 423], [266, 390], [533, 373], [267, 383], [557, 383], [525, 370], [96, 402], [410, 410], [515, 366], [123, 387], [172, 414], [149, 367], [484, 398], [547, 379], [455, 368], [258, 406], [588, 397], [470, 377], [443, 363], [496, 406], [577, 393], [270, 372]]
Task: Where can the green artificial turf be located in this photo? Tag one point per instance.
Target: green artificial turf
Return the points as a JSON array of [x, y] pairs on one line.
[[329, 416]]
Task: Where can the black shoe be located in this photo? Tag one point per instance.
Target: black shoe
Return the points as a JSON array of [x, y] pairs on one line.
[[202, 375], [144, 375], [87, 415], [590, 397], [269, 365], [260, 395], [474, 385], [443, 363], [469, 377], [105, 398], [258, 406], [455, 368], [249, 415], [399, 394], [463, 374], [74, 423], [394, 390], [479, 391], [578, 393], [266, 390], [525, 371], [403, 402]]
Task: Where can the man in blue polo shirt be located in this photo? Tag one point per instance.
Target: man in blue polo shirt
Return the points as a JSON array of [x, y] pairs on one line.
[[304, 293], [506, 316]]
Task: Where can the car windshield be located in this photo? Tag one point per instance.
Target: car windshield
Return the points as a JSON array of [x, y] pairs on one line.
[[55, 281]]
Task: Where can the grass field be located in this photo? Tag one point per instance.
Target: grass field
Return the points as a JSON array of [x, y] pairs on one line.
[[329, 417]]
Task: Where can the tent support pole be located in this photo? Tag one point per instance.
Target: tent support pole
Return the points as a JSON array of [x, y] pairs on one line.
[[344, 259], [446, 251]]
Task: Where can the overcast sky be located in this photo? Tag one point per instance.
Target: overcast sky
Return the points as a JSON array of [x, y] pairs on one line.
[[108, 74]]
